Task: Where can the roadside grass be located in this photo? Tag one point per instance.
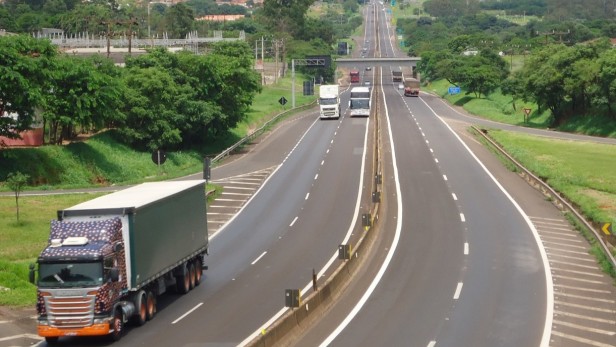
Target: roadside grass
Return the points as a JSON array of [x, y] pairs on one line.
[[496, 106], [266, 105], [21, 242], [584, 172]]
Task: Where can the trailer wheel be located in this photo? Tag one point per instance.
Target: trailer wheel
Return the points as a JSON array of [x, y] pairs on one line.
[[117, 325], [151, 305], [198, 271], [52, 340], [183, 282], [141, 304], [192, 274]]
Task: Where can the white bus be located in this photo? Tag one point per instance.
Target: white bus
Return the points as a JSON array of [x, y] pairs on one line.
[[359, 104]]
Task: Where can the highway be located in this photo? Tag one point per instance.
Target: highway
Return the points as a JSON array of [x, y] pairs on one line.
[[458, 261], [294, 223]]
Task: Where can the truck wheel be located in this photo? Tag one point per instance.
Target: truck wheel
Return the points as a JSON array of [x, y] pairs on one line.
[[52, 340], [198, 271], [183, 282], [141, 304], [192, 275], [151, 305], [117, 325]]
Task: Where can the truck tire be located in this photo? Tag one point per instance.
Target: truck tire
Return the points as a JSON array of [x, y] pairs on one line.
[[52, 340], [192, 274], [198, 271], [141, 305], [117, 325], [151, 305], [183, 281]]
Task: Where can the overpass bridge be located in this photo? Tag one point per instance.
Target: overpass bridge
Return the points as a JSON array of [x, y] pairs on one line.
[[379, 60]]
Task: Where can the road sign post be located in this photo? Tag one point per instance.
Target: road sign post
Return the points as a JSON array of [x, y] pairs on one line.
[[527, 114]]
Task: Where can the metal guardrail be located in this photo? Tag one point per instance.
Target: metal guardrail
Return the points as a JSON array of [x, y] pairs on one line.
[[259, 131], [546, 189]]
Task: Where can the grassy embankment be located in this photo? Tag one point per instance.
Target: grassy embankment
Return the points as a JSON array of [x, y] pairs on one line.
[[100, 160]]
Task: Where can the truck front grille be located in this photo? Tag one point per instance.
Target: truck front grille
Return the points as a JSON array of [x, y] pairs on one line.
[[70, 312]]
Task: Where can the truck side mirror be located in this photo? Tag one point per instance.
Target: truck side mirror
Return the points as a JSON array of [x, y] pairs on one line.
[[114, 274], [31, 273]]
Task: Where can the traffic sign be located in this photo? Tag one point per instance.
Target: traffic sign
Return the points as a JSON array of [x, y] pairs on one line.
[[454, 90], [607, 228], [282, 101], [159, 157]]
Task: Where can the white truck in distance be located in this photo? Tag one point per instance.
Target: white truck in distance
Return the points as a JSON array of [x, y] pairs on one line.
[[329, 102]]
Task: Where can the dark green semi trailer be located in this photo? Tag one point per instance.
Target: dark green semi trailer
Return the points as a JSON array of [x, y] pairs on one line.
[[109, 258]]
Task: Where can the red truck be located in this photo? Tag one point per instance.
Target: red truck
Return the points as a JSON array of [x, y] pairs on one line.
[[411, 87], [354, 76]]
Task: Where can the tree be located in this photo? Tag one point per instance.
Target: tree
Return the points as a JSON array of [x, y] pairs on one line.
[[179, 20], [82, 92], [607, 81], [152, 121], [24, 68], [16, 181], [285, 15], [234, 83], [85, 18], [511, 86]]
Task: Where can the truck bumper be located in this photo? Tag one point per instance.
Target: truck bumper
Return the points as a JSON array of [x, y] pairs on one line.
[[93, 330]]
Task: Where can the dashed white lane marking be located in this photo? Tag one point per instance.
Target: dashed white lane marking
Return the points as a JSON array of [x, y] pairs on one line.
[[462, 218], [455, 197], [187, 313], [466, 250], [258, 258], [293, 222], [432, 344], [436, 160], [445, 177], [456, 295], [316, 176], [307, 195]]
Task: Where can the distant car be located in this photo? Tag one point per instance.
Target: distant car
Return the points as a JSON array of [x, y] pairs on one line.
[[368, 68]]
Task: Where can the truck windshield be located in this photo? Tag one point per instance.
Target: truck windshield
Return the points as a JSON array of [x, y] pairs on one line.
[[67, 275], [360, 103], [328, 101]]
